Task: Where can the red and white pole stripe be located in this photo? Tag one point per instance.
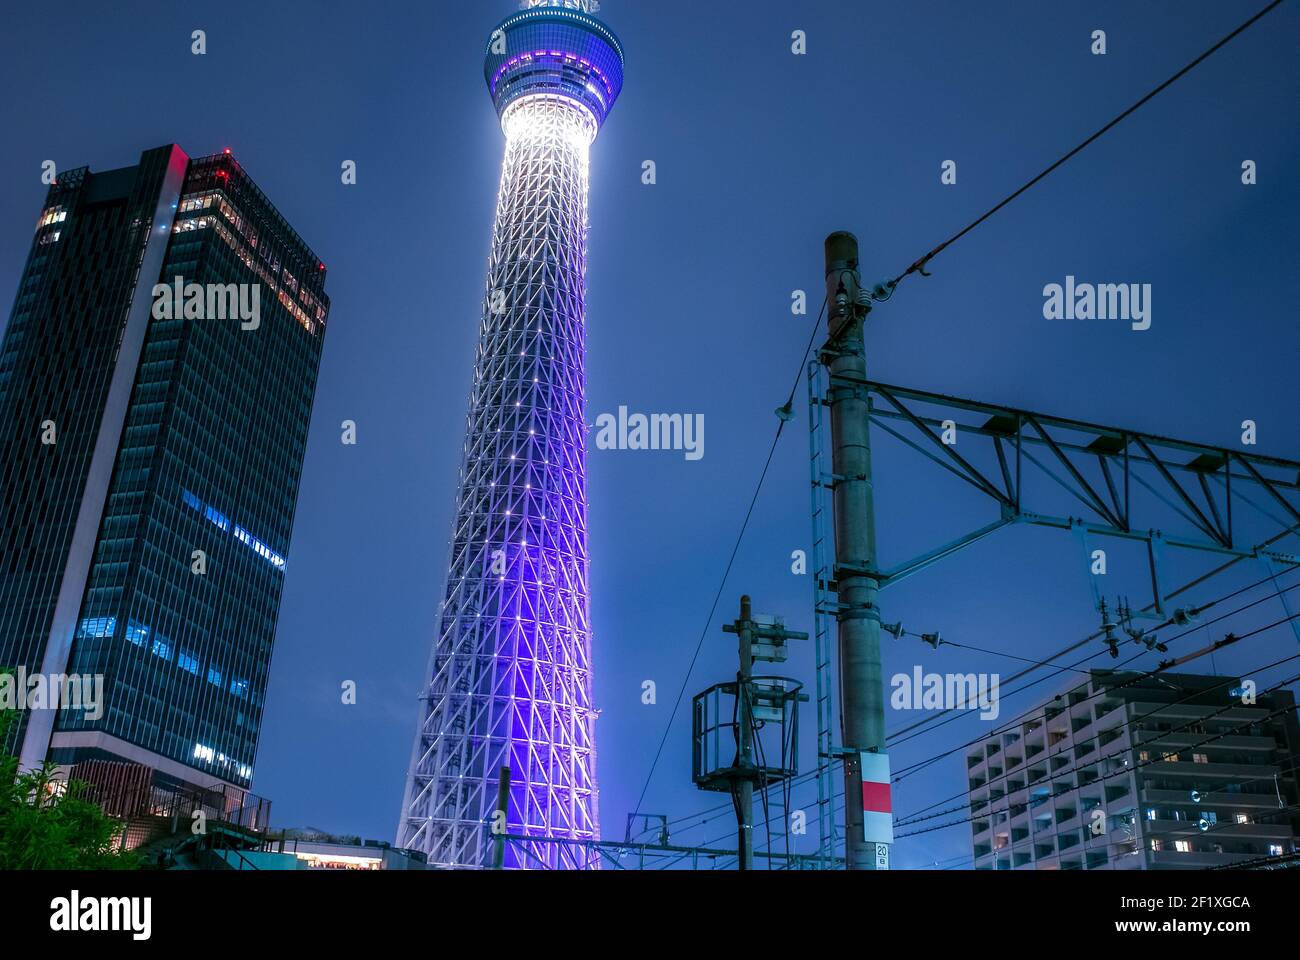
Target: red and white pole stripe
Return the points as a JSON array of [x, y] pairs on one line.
[[877, 802]]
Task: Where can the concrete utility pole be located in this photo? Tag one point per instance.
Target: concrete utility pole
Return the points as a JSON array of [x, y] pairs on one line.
[[499, 823], [760, 638], [744, 717], [862, 704]]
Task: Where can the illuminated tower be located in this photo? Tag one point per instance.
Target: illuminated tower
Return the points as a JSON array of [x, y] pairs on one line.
[[509, 680]]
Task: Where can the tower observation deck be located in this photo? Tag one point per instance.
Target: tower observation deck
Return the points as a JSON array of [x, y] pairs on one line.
[[509, 679]]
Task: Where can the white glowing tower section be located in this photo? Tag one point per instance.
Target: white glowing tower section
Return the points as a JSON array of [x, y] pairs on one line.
[[510, 674]]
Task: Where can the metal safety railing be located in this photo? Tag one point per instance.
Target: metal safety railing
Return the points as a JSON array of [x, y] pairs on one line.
[[543, 852]]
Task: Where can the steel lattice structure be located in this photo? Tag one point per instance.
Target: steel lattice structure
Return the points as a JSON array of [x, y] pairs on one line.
[[510, 672]]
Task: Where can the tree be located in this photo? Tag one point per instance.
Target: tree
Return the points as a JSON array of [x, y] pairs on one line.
[[46, 824]]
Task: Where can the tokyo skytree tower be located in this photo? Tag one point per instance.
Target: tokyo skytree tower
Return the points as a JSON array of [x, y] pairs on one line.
[[509, 681]]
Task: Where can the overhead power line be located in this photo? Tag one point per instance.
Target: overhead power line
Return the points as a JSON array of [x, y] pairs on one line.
[[731, 560], [918, 266], [1191, 584], [1158, 737], [702, 817], [1106, 691], [894, 739], [920, 816]]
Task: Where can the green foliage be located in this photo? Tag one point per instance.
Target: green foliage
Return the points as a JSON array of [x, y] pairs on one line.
[[45, 825]]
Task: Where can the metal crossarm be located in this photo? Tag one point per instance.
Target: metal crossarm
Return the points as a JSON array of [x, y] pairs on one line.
[[1097, 466]]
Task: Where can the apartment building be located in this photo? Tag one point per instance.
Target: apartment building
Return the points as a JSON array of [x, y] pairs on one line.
[[1129, 772]]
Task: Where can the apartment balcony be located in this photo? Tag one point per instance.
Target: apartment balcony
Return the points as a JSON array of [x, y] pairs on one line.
[[1136, 860], [1117, 789], [1154, 741], [1123, 833], [1222, 830], [1173, 860], [1070, 820], [1237, 772], [1177, 713], [1209, 778], [1217, 799], [1112, 736]]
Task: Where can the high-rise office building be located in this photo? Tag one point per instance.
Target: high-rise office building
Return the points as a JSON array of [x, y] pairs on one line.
[[509, 682], [156, 384], [1133, 772]]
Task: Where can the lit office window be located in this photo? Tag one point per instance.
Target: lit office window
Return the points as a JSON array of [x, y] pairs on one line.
[[51, 215], [97, 627]]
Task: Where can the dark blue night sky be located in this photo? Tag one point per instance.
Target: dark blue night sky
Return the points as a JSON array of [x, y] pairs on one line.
[[759, 155]]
